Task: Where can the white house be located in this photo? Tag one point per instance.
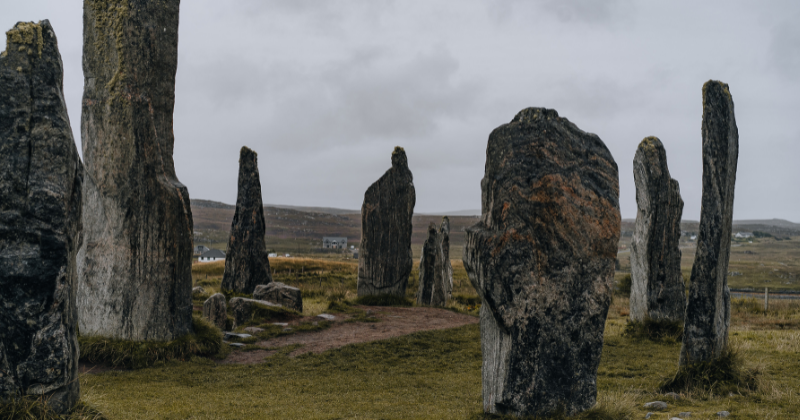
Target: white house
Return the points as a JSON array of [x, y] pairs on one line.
[[334, 242], [742, 235], [200, 249], [212, 255]]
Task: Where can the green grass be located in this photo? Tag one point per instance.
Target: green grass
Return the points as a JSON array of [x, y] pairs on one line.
[[384, 300], [32, 408], [206, 340], [722, 376], [654, 330]]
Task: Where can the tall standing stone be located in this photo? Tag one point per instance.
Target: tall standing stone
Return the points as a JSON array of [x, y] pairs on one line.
[[385, 259], [435, 270], [430, 266], [657, 289], [443, 289], [246, 263], [134, 268], [708, 311], [40, 222], [542, 260]]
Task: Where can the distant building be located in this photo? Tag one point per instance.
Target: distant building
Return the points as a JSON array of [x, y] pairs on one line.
[[742, 235], [333, 242], [272, 254], [200, 249], [212, 255]]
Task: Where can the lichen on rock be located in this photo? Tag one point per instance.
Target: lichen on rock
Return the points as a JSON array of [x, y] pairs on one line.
[[542, 260], [40, 222]]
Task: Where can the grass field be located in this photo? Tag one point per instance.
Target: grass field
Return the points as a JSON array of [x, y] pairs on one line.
[[437, 375]]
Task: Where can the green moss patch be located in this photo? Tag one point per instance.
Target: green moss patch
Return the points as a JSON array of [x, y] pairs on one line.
[[206, 340]]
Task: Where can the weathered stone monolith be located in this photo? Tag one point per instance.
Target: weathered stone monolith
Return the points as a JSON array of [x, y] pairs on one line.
[[385, 258], [215, 310], [435, 269], [40, 222], [542, 260], [134, 268], [708, 310], [246, 263], [657, 289], [429, 269], [443, 287]]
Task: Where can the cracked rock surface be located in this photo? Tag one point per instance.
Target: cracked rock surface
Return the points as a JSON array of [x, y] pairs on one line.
[[134, 268], [40, 222], [246, 263], [708, 311], [657, 289], [542, 260], [385, 258]]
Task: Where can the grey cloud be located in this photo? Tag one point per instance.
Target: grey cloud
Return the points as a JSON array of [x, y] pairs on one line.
[[589, 11], [784, 49]]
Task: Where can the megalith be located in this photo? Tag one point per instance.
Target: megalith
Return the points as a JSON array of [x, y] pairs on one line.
[[435, 269], [430, 266], [40, 222], [385, 258], [215, 310], [246, 263], [134, 268], [542, 259], [708, 311], [657, 289], [282, 294]]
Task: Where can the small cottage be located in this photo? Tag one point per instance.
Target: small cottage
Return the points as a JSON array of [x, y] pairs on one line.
[[212, 255], [200, 249], [334, 242]]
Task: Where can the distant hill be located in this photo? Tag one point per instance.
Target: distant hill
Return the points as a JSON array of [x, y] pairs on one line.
[[778, 227]]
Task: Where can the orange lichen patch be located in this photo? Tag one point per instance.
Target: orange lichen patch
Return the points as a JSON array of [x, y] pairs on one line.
[[509, 235], [504, 212]]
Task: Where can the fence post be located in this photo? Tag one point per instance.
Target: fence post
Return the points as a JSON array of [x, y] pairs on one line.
[[766, 299]]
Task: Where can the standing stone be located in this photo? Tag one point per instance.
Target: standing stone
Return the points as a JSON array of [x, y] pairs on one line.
[[40, 222], [282, 294], [216, 311], [386, 259], [708, 311], [134, 269], [443, 287], [435, 270], [657, 290], [428, 267], [246, 263], [542, 260]]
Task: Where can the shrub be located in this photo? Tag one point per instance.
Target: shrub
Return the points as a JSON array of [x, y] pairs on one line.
[[654, 330], [205, 340], [721, 376], [624, 285]]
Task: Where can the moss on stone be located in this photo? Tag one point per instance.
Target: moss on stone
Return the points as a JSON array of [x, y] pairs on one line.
[[109, 19], [26, 33]]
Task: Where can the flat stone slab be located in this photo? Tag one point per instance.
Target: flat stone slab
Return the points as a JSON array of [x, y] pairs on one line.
[[328, 317]]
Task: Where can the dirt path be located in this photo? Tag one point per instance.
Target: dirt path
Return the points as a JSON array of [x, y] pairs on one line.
[[393, 322]]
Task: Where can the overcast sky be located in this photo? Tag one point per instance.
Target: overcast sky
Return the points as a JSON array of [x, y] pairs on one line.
[[323, 90]]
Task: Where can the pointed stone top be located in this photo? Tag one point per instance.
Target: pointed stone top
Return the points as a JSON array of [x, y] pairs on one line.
[[26, 37], [246, 151], [445, 224], [399, 157], [714, 89], [651, 143], [432, 229], [532, 114]]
